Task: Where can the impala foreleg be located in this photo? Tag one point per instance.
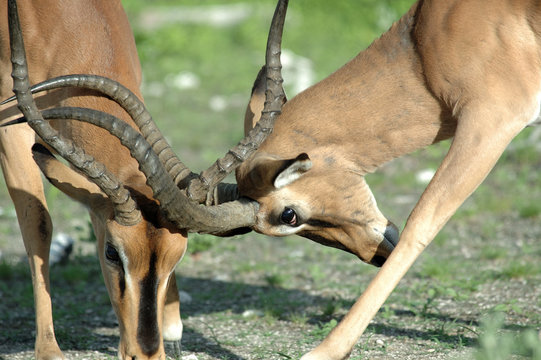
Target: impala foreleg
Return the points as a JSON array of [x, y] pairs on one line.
[[478, 143], [23, 181], [172, 324]]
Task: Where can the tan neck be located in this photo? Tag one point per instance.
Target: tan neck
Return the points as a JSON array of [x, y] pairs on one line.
[[374, 109]]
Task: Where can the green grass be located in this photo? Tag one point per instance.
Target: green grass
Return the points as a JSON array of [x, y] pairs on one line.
[[299, 289], [497, 344]]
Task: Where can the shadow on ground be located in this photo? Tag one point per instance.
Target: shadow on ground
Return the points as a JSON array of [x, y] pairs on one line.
[[82, 311]]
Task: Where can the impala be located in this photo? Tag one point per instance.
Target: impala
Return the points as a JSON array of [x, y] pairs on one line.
[[464, 68], [140, 208]]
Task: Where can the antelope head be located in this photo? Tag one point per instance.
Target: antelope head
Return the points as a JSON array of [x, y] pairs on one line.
[[138, 252], [141, 222], [331, 205], [306, 180]]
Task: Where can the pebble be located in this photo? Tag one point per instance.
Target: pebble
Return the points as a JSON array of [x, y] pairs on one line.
[[184, 297], [189, 357], [61, 248], [252, 313]]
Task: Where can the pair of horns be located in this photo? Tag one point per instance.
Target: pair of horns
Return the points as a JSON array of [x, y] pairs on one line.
[[165, 174]]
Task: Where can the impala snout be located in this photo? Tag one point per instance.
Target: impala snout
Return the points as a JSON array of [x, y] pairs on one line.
[[371, 243], [386, 246], [138, 264]]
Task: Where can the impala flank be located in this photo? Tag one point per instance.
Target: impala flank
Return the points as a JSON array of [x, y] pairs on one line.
[[464, 68]]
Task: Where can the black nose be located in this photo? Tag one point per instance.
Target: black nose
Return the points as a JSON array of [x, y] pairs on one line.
[[391, 234], [378, 261]]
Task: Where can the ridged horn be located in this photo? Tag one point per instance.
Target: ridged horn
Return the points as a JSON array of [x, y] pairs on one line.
[[182, 212], [134, 107], [126, 211], [178, 209], [201, 188]]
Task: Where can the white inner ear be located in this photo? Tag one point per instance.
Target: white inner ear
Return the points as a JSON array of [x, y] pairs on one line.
[[292, 173]]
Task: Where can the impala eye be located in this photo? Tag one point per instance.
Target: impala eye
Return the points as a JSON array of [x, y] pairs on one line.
[[289, 217], [111, 254]]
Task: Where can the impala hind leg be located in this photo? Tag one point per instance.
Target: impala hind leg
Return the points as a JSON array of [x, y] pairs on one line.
[[25, 187], [479, 141]]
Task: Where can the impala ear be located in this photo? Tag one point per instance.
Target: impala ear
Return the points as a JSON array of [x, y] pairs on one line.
[[266, 173], [257, 101], [293, 171]]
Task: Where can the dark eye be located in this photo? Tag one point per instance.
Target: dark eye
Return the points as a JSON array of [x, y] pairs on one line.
[[289, 217], [112, 254]]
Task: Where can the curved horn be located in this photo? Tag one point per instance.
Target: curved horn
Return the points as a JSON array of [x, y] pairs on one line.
[[134, 107], [178, 209], [275, 98], [181, 211], [126, 211], [199, 188]]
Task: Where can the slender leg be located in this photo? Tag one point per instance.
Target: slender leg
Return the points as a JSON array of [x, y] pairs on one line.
[[172, 323], [25, 187], [479, 141]]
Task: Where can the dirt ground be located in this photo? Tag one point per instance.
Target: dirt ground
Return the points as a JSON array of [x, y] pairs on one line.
[[232, 310]]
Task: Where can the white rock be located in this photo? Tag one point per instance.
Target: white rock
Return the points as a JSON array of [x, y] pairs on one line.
[[189, 357], [184, 297], [252, 313]]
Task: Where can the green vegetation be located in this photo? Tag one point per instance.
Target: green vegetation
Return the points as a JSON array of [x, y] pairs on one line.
[[497, 344], [261, 298]]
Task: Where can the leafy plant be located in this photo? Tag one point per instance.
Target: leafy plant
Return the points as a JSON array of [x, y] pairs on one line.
[[497, 344]]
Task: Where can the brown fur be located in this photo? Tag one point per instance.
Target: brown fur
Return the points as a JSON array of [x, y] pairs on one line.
[[92, 37], [468, 68]]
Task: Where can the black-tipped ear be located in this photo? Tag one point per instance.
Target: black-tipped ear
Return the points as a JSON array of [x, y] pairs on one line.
[[40, 149], [293, 171], [42, 157], [257, 101], [267, 173]]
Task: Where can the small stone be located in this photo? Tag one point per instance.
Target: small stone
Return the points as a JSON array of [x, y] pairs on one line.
[[61, 248], [252, 313], [189, 357], [184, 297]]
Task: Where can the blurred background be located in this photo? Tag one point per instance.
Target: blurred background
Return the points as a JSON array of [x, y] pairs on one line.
[[199, 59]]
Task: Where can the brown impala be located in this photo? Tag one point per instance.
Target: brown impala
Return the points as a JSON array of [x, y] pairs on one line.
[[464, 68], [469, 69], [140, 209]]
